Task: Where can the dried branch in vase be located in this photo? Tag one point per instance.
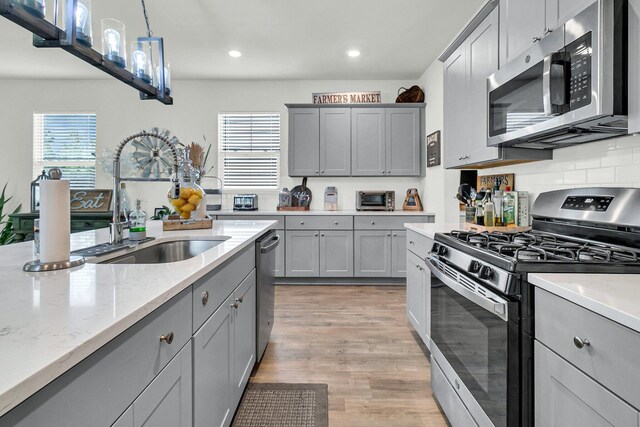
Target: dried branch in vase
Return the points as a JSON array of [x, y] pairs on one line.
[[199, 157]]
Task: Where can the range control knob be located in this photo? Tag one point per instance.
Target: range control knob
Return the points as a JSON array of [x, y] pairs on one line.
[[474, 267], [441, 250], [486, 273]]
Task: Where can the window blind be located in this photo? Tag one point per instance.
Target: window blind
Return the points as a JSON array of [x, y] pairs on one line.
[[249, 150], [67, 142]]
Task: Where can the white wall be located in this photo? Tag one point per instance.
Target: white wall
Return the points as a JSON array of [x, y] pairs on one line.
[[197, 103]]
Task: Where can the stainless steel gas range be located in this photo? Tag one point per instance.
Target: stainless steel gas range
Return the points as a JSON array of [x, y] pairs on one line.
[[482, 305]]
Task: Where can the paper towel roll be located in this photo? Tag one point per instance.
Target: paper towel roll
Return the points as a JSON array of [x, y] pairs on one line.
[[55, 220]]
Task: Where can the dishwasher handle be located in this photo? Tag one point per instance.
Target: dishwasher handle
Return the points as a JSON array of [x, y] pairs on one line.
[[272, 246]]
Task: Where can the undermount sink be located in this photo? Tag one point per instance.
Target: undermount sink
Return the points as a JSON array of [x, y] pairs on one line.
[[166, 252]]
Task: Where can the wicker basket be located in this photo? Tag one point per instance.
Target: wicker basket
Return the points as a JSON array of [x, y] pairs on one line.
[[411, 95]]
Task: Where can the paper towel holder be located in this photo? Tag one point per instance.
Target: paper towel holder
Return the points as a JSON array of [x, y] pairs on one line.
[[38, 267]]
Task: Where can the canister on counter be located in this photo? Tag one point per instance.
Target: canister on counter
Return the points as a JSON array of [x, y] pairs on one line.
[[331, 199]]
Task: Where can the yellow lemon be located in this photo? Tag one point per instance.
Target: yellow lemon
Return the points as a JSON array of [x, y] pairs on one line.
[[184, 193], [188, 207], [195, 199], [177, 203], [185, 215], [199, 193]]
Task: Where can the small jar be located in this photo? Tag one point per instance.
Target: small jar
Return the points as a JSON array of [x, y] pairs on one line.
[[284, 198], [191, 193]]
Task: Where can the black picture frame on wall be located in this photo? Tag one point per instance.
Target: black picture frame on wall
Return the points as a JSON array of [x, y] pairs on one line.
[[433, 149]]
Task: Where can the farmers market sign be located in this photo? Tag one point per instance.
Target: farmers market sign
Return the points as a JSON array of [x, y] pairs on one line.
[[347, 98]]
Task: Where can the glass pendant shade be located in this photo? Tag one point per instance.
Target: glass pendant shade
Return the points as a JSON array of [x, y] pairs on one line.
[[34, 7], [167, 77], [113, 42], [141, 65], [84, 31]]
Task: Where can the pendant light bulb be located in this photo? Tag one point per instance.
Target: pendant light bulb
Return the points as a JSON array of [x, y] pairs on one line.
[[113, 41], [139, 61], [82, 13]]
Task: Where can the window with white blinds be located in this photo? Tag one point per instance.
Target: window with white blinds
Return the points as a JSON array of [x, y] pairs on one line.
[[67, 142], [249, 150]]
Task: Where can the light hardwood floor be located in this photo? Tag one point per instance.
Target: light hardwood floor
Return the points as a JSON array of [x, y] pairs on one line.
[[357, 340]]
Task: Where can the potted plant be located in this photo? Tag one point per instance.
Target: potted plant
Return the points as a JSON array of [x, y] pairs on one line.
[[7, 234]]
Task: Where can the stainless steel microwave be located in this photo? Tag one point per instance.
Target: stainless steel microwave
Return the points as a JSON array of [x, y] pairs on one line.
[[375, 200], [569, 87]]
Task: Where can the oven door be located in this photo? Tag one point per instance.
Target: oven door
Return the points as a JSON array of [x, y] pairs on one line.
[[474, 334]]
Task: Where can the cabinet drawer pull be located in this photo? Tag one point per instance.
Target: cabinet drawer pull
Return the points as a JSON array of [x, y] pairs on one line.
[[234, 305], [335, 222], [581, 342], [548, 31], [536, 39], [205, 297], [316, 172], [167, 338], [373, 222], [322, 235], [240, 299], [315, 235], [301, 222], [411, 242], [388, 234]]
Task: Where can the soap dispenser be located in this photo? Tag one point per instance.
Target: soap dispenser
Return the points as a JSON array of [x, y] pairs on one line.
[[138, 220]]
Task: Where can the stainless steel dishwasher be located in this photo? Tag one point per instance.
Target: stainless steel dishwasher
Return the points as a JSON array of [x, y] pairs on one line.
[[265, 289]]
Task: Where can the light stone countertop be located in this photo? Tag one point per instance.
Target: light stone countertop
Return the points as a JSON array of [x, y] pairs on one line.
[[430, 230], [347, 212], [614, 296], [51, 321]]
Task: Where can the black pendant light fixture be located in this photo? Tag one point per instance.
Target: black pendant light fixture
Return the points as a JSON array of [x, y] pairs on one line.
[[148, 70]]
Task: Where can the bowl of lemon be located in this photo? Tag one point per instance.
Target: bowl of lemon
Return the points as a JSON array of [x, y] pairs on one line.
[[189, 200]]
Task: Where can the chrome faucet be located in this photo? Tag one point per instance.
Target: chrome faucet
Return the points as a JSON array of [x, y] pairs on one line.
[[116, 228]]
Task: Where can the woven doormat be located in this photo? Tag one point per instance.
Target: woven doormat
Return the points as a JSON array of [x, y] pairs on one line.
[[283, 405]]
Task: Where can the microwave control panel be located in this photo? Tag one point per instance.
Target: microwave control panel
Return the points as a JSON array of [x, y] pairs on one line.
[[587, 203], [580, 81]]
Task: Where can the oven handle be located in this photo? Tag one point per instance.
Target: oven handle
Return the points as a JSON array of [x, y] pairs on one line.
[[495, 305], [555, 91]]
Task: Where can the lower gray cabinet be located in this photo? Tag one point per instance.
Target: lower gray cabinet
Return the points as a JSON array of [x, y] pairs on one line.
[[126, 419], [244, 333], [416, 301], [398, 253], [566, 397], [224, 355], [280, 272], [302, 254], [336, 253], [166, 402], [372, 253], [212, 366]]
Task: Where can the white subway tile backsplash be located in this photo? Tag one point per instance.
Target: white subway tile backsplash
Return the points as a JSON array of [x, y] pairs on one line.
[[628, 173], [575, 177], [601, 175], [617, 157], [588, 163]]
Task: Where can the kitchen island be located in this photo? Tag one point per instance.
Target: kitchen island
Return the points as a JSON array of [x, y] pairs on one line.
[[52, 322]]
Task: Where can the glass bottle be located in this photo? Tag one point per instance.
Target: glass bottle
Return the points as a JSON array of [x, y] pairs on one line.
[[138, 221], [191, 193], [489, 212], [508, 208], [497, 202]]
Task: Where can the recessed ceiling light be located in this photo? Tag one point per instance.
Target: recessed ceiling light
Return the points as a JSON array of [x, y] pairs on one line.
[[353, 53], [235, 53]]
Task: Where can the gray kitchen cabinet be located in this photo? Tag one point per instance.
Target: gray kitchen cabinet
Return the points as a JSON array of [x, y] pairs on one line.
[[415, 293], [335, 142], [280, 255], [244, 333], [212, 365], [336, 253], [454, 137], [302, 254], [224, 355], [304, 141], [522, 23], [403, 142], [166, 402], [372, 253], [398, 253], [560, 11], [368, 141], [566, 397]]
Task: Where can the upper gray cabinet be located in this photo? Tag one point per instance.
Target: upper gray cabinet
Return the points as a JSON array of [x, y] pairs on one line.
[[368, 136], [371, 140], [525, 22], [335, 142], [304, 141], [403, 155], [466, 70]]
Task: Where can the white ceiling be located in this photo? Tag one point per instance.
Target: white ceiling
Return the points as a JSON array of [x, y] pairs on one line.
[[279, 39]]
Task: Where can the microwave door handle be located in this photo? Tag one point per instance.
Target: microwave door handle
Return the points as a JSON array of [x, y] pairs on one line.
[[555, 85]]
